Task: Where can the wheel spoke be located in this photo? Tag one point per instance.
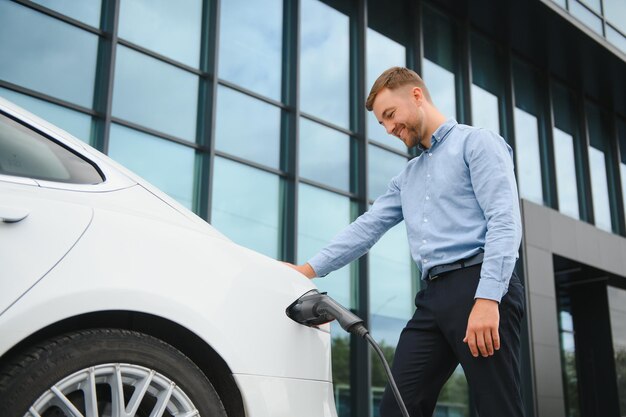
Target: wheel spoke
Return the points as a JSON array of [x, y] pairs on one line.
[[193, 413], [117, 393], [140, 392], [66, 403], [33, 412], [91, 395], [163, 399]]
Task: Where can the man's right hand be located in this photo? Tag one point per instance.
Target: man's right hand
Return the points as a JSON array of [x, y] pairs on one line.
[[305, 269]]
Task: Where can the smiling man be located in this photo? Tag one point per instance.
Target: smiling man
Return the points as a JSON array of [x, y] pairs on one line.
[[460, 205]]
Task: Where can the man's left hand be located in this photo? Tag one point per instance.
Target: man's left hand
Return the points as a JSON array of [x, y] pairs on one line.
[[482, 328]]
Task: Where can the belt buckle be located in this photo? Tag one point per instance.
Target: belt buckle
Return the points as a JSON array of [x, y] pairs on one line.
[[434, 277]]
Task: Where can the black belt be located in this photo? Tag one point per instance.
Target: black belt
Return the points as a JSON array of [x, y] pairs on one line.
[[436, 271]]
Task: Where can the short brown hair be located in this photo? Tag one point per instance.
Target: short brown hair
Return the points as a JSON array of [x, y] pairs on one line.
[[393, 78]]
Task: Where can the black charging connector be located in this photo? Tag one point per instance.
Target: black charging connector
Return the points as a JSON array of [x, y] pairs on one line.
[[315, 308]]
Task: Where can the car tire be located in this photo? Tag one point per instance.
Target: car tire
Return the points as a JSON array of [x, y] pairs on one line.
[[103, 369]]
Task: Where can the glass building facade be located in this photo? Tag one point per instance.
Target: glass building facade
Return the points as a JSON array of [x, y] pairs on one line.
[[251, 114]]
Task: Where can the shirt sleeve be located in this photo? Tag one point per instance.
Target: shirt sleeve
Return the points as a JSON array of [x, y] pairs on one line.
[[358, 237], [490, 161]]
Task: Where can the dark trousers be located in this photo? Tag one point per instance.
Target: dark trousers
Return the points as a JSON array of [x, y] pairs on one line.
[[431, 346]]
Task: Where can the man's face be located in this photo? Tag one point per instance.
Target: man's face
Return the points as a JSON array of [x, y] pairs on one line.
[[401, 113]]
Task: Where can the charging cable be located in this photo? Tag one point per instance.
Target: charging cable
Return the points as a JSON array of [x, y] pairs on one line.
[[315, 308]]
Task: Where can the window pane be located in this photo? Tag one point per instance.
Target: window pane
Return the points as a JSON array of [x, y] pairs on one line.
[[617, 311], [391, 299], [616, 38], [527, 156], [247, 211], [487, 89], [321, 215], [597, 165], [529, 119], [485, 112], [324, 155], [25, 153], [621, 132], [251, 45], [590, 20], [615, 13], [324, 62], [440, 63], [87, 11], [440, 84], [166, 27], [566, 150], [382, 167], [565, 173], [155, 94], [167, 165], [75, 123], [382, 53], [259, 141], [46, 55]]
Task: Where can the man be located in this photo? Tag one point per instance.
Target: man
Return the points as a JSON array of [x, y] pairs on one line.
[[459, 201]]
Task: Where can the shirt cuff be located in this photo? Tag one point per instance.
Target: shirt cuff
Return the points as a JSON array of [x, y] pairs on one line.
[[490, 289], [321, 265]]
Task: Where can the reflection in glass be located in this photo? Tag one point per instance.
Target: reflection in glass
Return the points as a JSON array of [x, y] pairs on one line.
[[440, 60], [597, 165], [382, 53], [485, 112], [391, 299], [321, 215], [565, 173], [617, 312], [73, 122], [46, 55], [247, 211], [324, 63], [251, 45], [587, 17], [391, 285], [324, 155], [615, 13], [382, 167], [440, 84], [616, 38], [621, 132], [87, 11], [247, 127], [167, 165], [599, 189], [163, 26], [527, 156], [155, 94]]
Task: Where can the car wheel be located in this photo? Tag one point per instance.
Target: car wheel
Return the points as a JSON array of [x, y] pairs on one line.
[[106, 373]]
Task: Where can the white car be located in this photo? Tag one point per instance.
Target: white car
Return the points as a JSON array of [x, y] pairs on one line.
[[117, 301]]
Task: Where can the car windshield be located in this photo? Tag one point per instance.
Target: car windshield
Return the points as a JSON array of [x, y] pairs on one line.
[[25, 153]]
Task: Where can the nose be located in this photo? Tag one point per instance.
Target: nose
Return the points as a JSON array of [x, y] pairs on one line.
[[389, 127]]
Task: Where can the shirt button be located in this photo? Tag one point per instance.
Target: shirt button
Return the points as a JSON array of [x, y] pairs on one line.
[[427, 175], [425, 261], [425, 220], [424, 241], [430, 154], [427, 198]]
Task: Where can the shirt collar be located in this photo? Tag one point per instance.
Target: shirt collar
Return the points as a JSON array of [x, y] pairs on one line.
[[440, 134]]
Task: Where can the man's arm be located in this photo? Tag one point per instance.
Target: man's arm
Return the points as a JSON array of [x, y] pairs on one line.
[[358, 237], [490, 164]]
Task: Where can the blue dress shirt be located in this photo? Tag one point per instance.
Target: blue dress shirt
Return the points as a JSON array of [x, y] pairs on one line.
[[458, 198]]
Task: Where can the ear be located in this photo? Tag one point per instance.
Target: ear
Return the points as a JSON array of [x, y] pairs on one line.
[[417, 94]]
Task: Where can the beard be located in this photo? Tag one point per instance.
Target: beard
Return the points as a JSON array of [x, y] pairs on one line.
[[414, 131]]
